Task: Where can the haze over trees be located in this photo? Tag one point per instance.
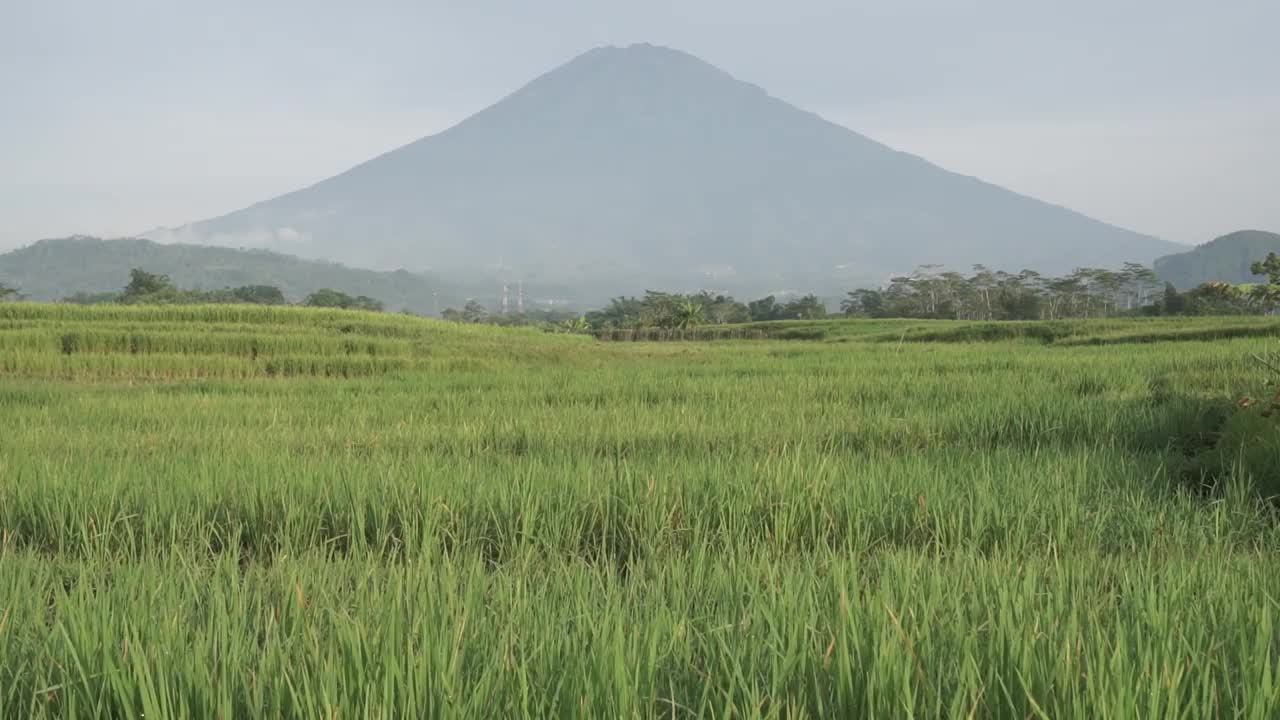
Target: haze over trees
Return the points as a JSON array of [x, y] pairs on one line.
[[474, 312], [643, 167], [91, 270], [148, 288], [929, 292]]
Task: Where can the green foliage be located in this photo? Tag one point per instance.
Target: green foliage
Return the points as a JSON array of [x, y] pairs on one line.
[[550, 319], [620, 313], [474, 312], [8, 293], [668, 311], [575, 326], [1218, 298], [329, 298], [864, 303], [147, 288], [806, 307], [1172, 303], [259, 295], [688, 314], [931, 293], [764, 309], [1249, 449], [1268, 295], [1269, 267], [381, 516], [1246, 446], [143, 284]]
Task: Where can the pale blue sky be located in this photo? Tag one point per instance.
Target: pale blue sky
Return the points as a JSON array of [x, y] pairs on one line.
[[1160, 116]]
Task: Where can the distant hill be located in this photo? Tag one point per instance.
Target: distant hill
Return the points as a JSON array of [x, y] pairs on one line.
[[645, 167], [54, 269], [1226, 259]]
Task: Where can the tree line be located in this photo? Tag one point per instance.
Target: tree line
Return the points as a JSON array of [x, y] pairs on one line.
[[930, 292], [676, 311], [661, 310], [475, 312], [984, 294], [147, 288]]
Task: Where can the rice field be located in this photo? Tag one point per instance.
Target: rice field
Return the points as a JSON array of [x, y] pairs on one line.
[[234, 512]]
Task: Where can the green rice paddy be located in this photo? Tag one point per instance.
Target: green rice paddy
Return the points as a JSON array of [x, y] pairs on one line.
[[234, 512]]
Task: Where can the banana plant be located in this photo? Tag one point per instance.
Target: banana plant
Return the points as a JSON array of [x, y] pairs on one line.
[[689, 314], [576, 326]]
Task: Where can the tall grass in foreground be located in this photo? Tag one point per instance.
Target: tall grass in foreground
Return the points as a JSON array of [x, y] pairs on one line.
[[741, 633], [512, 524]]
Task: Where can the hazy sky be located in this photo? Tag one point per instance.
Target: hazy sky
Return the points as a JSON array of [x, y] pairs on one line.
[[1162, 116]]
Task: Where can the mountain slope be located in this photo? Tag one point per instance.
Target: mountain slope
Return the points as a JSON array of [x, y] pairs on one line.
[[646, 166], [1226, 259], [54, 269]]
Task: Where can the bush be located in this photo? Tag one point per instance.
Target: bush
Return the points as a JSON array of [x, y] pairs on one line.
[[259, 295], [328, 298], [1250, 448]]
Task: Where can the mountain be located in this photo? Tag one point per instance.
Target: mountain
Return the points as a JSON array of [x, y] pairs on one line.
[[646, 167], [54, 269], [1226, 259]]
